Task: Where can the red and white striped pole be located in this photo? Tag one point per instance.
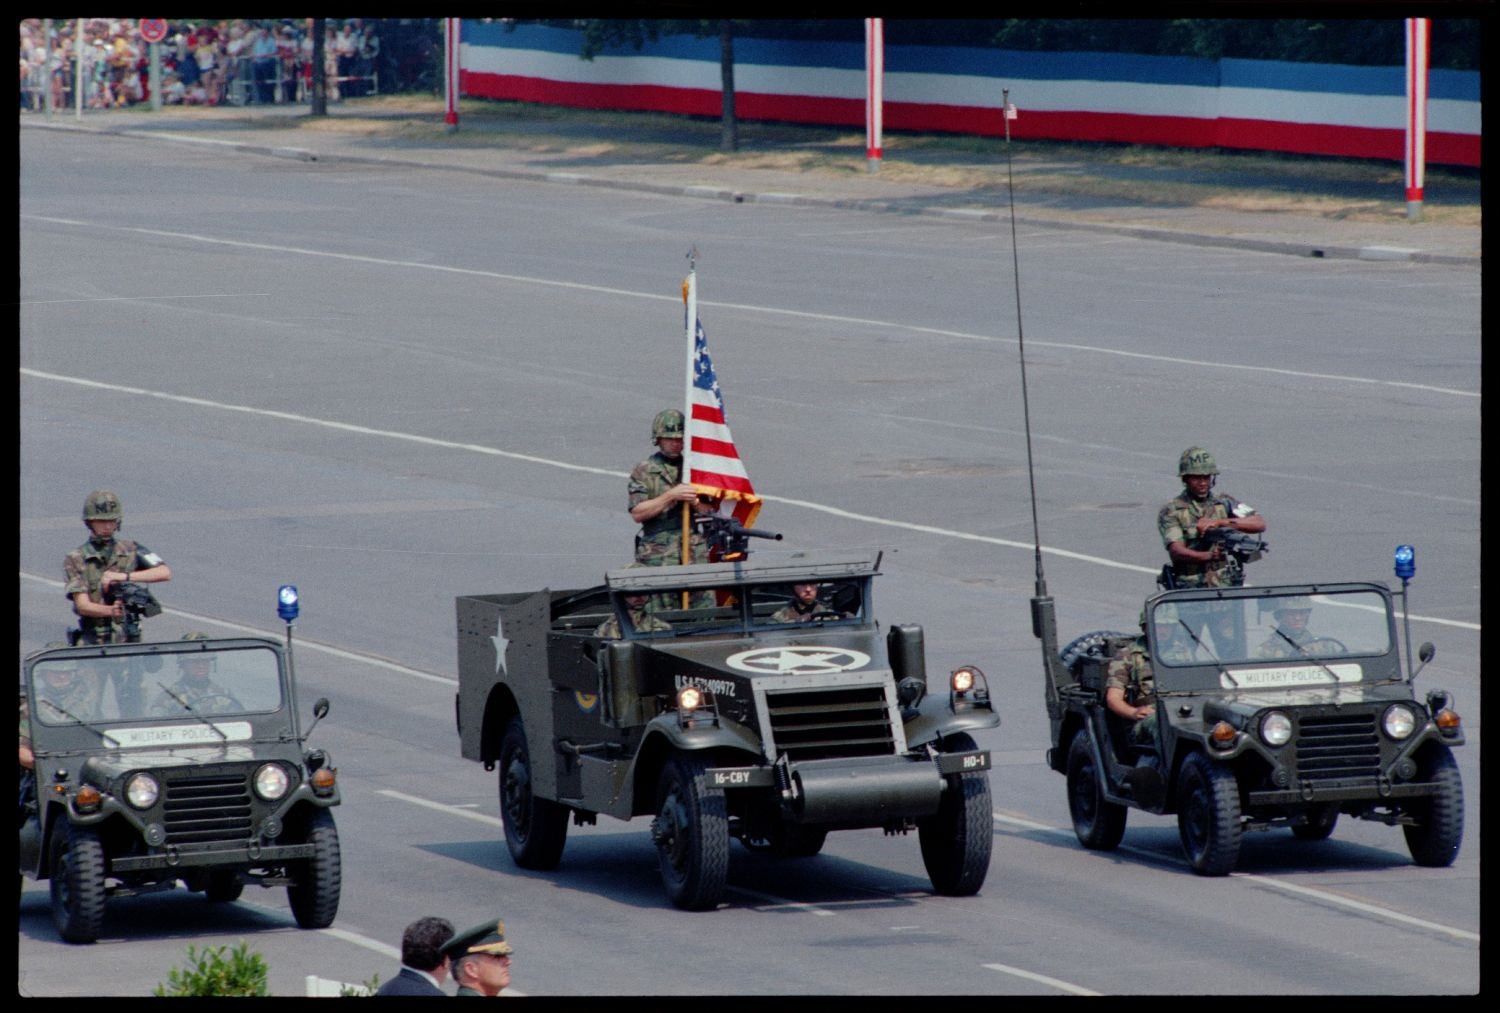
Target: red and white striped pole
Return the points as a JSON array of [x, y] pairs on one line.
[[1417, 46], [450, 71], [874, 88]]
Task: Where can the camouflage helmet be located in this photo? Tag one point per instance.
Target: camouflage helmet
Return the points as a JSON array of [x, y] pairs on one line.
[[101, 505], [668, 423], [195, 635], [1196, 461], [1296, 603]]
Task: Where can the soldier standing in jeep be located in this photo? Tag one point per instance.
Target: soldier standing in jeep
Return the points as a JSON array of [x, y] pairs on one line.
[[1185, 523]]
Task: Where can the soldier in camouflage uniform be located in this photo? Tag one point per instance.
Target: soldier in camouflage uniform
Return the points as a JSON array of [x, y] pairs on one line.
[[1291, 638], [103, 561], [59, 684], [640, 619], [656, 492], [803, 606], [1185, 522], [194, 686], [1130, 684]]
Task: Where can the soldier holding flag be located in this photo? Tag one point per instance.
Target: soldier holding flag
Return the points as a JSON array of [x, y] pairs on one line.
[[656, 494]]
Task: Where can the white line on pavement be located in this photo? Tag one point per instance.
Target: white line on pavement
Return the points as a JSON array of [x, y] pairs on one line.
[[769, 310], [1042, 978], [611, 473]]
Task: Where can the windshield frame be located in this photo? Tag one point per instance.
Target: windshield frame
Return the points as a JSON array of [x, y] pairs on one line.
[[252, 680], [1246, 659]]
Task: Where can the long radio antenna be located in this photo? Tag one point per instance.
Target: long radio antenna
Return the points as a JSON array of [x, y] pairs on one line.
[[1015, 259]]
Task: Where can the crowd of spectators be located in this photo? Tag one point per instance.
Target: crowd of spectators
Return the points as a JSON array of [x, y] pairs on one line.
[[236, 61]]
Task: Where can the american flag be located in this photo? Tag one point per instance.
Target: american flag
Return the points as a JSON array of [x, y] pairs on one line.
[[710, 461]]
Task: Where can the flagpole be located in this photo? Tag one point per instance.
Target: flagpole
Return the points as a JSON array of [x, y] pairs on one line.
[[690, 292]]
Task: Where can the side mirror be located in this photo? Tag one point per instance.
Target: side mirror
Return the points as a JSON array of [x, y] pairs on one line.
[[320, 711], [1425, 653]]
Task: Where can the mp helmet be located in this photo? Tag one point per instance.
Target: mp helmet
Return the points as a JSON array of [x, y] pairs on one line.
[[1296, 603], [1196, 461], [667, 424], [101, 505]]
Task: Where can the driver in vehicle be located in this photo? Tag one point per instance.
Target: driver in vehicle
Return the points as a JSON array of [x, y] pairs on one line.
[[804, 606], [194, 686], [1291, 638]]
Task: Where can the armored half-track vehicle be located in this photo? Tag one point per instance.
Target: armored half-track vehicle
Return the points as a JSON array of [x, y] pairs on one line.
[[201, 777], [1281, 706], [702, 697]]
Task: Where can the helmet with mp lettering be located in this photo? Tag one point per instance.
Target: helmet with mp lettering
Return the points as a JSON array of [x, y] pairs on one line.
[[101, 505], [1196, 461]]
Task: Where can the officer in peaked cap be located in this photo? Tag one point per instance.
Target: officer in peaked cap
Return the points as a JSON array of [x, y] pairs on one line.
[[481, 959]]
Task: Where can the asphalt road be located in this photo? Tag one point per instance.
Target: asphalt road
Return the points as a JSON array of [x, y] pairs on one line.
[[391, 387]]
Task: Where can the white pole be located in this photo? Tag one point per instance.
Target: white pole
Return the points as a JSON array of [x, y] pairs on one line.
[[874, 89], [156, 77], [1417, 43], [450, 72], [78, 71]]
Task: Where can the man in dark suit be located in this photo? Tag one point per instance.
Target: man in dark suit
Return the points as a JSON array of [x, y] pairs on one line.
[[424, 966]]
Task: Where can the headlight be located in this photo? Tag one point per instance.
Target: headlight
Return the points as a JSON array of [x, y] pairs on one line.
[[142, 791], [689, 698], [1399, 721], [1276, 729], [271, 781]]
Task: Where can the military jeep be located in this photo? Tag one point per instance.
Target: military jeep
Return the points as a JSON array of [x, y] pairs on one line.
[[205, 782], [719, 716], [1280, 706]]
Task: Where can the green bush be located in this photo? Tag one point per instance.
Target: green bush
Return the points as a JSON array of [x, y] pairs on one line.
[[211, 973]]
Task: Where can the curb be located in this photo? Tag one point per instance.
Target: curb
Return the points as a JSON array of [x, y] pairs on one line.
[[1296, 248]]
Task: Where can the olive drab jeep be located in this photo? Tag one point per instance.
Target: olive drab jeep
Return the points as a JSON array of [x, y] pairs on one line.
[[1281, 706], [205, 780], [701, 697]]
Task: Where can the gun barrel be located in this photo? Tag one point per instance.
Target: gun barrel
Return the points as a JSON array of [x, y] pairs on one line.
[[774, 536]]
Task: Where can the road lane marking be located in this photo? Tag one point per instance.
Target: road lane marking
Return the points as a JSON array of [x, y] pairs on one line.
[[1320, 895], [1064, 986], [425, 803], [743, 307], [613, 473]]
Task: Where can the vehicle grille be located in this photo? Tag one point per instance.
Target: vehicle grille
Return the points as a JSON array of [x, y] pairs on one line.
[[1338, 746], [207, 809], [819, 724]]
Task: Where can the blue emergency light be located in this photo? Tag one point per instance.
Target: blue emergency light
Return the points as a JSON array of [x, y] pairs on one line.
[[286, 602], [1406, 562]]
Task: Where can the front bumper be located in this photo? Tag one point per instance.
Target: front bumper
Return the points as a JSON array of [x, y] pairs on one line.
[[860, 791], [249, 855]]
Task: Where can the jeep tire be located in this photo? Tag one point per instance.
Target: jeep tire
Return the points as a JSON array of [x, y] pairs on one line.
[[1319, 821], [223, 886], [956, 840], [1439, 830], [1208, 815], [1099, 823], [535, 828], [77, 881], [314, 892], [691, 833]]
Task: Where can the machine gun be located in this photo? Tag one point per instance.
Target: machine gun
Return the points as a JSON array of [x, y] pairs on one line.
[[728, 538], [139, 603], [1239, 548]]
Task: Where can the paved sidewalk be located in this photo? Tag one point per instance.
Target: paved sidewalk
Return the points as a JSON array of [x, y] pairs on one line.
[[349, 135]]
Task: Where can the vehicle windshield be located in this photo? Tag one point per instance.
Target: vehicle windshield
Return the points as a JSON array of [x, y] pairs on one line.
[[1271, 640], [770, 606], [197, 687]]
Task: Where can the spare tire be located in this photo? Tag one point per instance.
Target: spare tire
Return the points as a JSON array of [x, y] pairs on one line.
[[1096, 644]]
